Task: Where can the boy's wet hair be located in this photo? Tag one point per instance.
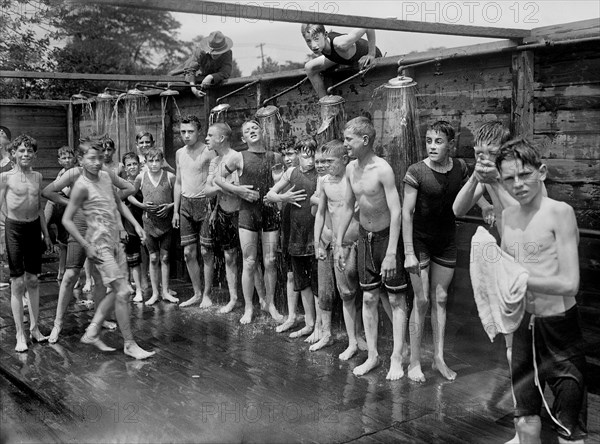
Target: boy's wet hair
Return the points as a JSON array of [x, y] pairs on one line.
[[362, 126], [141, 134], [306, 144], [312, 28], [492, 133], [107, 142], [224, 129], [65, 149], [519, 149], [86, 145], [130, 155], [26, 140], [6, 131], [154, 152], [254, 121], [444, 127], [334, 148], [287, 144], [190, 118]]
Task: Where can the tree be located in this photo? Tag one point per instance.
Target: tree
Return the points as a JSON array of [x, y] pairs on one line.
[[274, 66], [89, 38]]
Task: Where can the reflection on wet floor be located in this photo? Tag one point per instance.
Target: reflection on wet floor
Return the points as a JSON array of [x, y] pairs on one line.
[[214, 380]]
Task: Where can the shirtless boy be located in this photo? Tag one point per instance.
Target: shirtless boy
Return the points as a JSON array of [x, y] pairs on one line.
[[191, 208], [331, 200], [541, 234], [370, 182], [21, 189], [224, 223]]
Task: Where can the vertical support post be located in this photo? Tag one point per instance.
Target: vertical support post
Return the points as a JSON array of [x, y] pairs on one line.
[[521, 115], [70, 126], [167, 126], [259, 94]]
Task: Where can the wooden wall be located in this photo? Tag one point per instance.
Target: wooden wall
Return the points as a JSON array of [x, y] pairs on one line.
[[47, 124]]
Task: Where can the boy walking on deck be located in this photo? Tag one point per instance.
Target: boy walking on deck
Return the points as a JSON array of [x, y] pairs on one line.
[[541, 234], [20, 189]]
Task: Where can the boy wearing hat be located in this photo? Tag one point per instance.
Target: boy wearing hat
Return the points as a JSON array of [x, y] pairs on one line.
[[212, 58]]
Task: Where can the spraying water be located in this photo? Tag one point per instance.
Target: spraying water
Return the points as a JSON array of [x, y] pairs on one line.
[[218, 114], [272, 124], [333, 119], [400, 138]]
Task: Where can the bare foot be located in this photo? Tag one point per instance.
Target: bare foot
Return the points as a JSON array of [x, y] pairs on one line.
[[396, 371], [87, 287], [228, 308], [366, 366], [192, 301], [514, 440], [153, 300], [440, 366], [138, 296], [96, 342], [289, 323], [415, 373], [323, 342], [206, 302], [247, 318], [21, 343], [135, 351], [349, 352], [53, 338], [172, 292], [167, 297], [316, 336], [362, 344], [302, 332], [37, 336], [109, 325], [277, 317]]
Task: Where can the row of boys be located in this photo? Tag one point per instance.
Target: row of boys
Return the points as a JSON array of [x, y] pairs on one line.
[[433, 192]]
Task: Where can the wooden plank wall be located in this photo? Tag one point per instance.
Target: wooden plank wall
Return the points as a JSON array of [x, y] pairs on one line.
[[47, 124]]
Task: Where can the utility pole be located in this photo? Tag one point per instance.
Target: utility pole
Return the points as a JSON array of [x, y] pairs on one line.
[[262, 55]]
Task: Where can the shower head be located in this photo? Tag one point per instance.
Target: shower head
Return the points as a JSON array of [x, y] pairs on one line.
[[105, 96], [266, 111], [220, 108], [135, 92], [400, 82], [169, 92], [81, 95]]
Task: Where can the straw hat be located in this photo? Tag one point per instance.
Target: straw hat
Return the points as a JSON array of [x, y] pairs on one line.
[[216, 43]]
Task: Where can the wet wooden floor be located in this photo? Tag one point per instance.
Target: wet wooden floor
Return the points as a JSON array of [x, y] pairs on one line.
[[213, 380]]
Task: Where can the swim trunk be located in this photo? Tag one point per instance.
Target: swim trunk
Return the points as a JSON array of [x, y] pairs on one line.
[[192, 212], [23, 246], [561, 364], [76, 255], [305, 273], [440, 249], [223, 233], [160, 243], [258, 216], [133, 250], [113, 263], [346, 280], [371, 252], [53, 214]]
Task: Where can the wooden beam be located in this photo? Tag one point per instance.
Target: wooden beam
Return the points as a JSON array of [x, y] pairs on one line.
[[293, 13], [566, 31], [87, 76], [521, 119]]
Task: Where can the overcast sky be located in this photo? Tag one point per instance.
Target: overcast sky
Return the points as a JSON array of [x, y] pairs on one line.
[[283, 41]]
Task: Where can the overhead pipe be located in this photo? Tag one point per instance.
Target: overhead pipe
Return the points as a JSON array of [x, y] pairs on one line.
[[235, 91], [285, 91], [360, 73]]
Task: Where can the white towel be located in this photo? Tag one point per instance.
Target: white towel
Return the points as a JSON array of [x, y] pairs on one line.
[[499, 285]]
